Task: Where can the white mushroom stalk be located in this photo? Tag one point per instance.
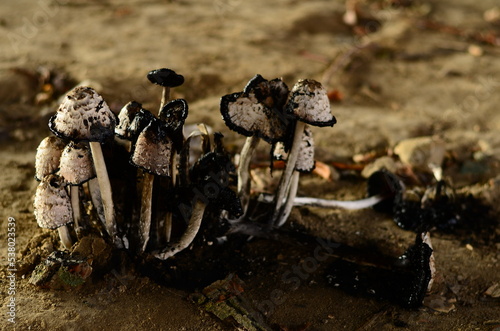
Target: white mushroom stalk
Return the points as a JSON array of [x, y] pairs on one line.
[[308, 103], [84, 115], [328, 203]]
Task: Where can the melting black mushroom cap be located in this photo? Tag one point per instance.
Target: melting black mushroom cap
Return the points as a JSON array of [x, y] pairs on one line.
[[387, 185], [211, 176], [165, 77], [174, 114], [125, 118], [83, 115], [140, 121]]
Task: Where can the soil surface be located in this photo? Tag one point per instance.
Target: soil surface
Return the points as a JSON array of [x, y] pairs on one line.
[[406, 69]]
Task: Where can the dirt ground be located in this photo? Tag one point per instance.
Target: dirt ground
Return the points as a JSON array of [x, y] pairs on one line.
[[407, 69]]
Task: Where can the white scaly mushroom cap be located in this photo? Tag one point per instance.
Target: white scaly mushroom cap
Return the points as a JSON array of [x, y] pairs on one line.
[[309, 103], [305, 160], [48, 155], [76, 166], [52, 206], [153, 149], [83, 115]]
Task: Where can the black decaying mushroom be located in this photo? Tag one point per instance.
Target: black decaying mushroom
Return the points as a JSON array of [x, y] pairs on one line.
[[308, 104], [166, 78], [257, 112], [48, 155], [76, 168], [208, 175], [84, 115], [52, 207], [152, 153]]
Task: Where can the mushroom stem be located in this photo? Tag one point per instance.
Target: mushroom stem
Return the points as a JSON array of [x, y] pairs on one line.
[[145, 218], [244, 182], [165, 96], [65, 236], [95, 195], [190, 233], [325, 203], [105, 187], [284, 184], [290, 200], [75, 205]]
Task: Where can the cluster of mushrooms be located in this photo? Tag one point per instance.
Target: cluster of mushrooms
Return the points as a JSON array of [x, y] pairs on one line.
[[179, 178]]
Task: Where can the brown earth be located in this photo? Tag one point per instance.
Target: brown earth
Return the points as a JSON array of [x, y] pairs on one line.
[[431, 69]]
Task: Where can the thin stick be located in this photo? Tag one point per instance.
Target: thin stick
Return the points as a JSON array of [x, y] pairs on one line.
[[326, 203], [289, 203], [145, 218], [190, 233], [95, 195], [105, 187], [75, 205], [244, 182], [284, 184]]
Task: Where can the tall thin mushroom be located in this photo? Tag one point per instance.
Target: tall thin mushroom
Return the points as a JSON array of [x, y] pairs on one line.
[[152, 153], [257, 113], [84, 115], [308, 104], [76, 168]]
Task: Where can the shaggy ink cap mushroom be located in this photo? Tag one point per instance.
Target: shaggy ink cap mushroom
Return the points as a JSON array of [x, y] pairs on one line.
[[76, 166], [153, 149], [52, 207], [309, 103], [83, 115], [165, 77], [48, 155], [257, 110], [125, 118], [174, 115]]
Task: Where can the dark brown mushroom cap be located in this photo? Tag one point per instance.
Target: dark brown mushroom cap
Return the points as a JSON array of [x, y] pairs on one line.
[[83, 115], [273, 94], [165, 77], [305, 160], [76, 166], [52, 206], [125, 118], [309, 103], [174, 114], [153, 149], [48, 155]]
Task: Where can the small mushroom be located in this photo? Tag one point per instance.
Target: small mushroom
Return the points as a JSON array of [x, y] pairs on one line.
[[308, 103], [125, 118], [52, 207], [84, 115], [173, 115], [48, 155], [76, 168], [152, 153], [166, 78], [257, 112]]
